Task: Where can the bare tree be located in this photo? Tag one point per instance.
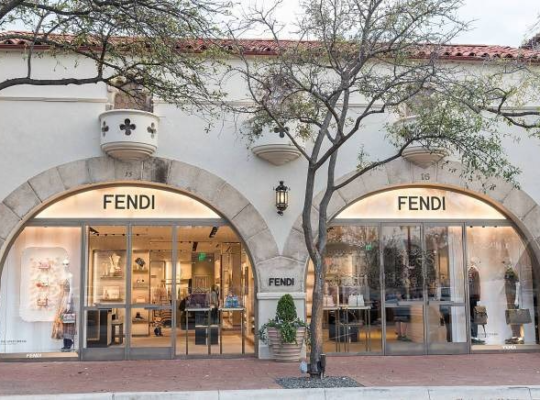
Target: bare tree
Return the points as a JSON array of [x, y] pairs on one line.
[[157, 45], [387, 55]]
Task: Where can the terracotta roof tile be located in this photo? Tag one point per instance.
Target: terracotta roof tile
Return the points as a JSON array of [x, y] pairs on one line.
[[465, 52]]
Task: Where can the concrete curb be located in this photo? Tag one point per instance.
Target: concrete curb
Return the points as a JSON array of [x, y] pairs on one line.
[[394, 393]]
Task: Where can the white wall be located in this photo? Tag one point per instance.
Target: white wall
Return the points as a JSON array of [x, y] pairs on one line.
[[43, 127]]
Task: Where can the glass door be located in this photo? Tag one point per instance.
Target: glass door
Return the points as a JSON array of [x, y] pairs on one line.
[[151, 272], [424, 289], [404, 289], [446, 316], [104, 336]]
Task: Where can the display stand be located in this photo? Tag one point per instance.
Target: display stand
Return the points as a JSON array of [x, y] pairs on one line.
[[348, 325], [336, 319], [235, 309], [208, 327]]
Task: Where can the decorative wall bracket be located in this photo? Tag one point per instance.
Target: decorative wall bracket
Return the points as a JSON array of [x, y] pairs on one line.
[[420, 155], [275, 147], [424, 157], [129, 135]]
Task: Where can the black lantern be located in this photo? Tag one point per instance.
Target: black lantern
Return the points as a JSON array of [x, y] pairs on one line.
[[282, 197]]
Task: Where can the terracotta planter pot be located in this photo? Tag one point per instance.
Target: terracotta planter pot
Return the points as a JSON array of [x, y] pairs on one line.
[[286, 352], [274, 338]]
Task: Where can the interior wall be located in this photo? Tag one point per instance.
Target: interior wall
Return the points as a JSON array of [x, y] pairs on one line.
[[25, 328]]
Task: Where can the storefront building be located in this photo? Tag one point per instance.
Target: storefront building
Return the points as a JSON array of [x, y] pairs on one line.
[[181, 253]]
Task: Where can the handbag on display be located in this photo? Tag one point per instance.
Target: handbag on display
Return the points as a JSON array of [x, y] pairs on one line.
[[231, 301], [328, 301], [356, 300], [197, 300], [480, 315], [68, 318], [518, 316]]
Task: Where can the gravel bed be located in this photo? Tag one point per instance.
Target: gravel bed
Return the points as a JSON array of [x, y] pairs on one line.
[[308, 383]]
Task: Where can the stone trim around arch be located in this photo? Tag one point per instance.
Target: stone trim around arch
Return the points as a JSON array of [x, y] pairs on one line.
[[23, 203], [513, 202]]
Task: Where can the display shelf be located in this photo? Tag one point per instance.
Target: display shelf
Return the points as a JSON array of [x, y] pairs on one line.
[[111, 278], [141, 286], [140, 271], [347, 307], [117, 300], [138, 321]]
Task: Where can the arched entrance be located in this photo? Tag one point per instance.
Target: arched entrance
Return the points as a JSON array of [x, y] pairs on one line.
[[423, 268], [152, 272]]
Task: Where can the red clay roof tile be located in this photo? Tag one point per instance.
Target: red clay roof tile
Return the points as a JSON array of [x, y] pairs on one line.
[[465, 52]]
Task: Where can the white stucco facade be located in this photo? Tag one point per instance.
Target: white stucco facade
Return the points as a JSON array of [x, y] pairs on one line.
[[50, 146]]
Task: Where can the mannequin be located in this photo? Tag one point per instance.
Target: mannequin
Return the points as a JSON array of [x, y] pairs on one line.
[[61, 330], [474, 297], [511, 289]]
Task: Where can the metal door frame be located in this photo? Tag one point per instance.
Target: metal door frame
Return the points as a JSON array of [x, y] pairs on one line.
[[422, 303], [464, 304], [127, 352]]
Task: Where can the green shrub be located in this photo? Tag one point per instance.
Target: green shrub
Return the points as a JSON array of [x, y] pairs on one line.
[[286, 322], [286, 310]]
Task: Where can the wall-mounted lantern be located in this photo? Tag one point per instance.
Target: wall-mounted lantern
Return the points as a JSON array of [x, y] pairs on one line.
[[282, 197]]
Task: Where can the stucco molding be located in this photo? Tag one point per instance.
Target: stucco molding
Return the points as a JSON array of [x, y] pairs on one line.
[[43, 189], [513, 202]]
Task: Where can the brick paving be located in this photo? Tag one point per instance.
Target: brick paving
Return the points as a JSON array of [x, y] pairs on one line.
[[250, 373]]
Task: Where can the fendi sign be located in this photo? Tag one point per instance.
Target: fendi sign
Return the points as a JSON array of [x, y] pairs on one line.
[[129, 202], [280, 281], [422, 203]]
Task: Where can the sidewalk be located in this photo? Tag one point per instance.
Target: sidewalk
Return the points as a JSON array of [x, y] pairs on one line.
[[41, 378], [393, 393]]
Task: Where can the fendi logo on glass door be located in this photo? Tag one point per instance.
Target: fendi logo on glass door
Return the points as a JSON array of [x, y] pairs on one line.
[[422, 203], [129, 202]]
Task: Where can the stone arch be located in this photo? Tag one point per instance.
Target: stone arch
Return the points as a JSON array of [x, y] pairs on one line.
[[32, 196], [513, 202]]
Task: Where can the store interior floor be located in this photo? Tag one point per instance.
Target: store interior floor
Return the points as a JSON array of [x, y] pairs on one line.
[[231, 343], [250, 373]]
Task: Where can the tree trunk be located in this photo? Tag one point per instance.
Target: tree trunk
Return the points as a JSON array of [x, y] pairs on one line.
[[316, 319], [317, 252]]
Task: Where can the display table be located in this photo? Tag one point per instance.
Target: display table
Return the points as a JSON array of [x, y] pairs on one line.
[[204, 329], [353, 328], [346, 331], [223, 310]]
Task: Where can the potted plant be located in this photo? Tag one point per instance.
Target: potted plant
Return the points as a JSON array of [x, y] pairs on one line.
[[285, 333]]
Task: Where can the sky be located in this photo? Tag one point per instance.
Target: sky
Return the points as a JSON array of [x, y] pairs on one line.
[[502, 22]]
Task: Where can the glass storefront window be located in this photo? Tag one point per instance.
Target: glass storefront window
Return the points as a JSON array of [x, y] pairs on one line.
[[455, 276], [39, 312], [215, 292], [134, 304], [107, 262], [444, 263], [352, 306], [404, 290], [151, 286], [502, 290]]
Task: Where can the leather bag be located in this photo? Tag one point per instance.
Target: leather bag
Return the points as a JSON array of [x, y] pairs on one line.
[[68, 318], [480, 315], [518, 316]]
